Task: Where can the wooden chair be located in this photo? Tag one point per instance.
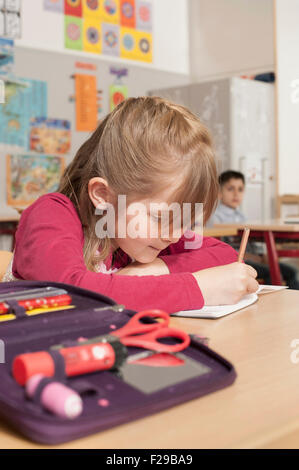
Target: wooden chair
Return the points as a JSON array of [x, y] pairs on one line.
[[5, 257], [286, 199]]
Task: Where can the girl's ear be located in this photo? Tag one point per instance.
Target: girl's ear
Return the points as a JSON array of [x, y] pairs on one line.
[[98, 191]]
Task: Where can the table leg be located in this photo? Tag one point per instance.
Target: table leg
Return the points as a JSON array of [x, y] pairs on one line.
[[272, 258]]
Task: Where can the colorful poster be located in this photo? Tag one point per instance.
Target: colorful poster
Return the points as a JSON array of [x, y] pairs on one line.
[[92, 40], [73, 33], [110, 11], [24, 99], [86, 102], [54, 5], [73, 8], [127, 13], [121, 28], [50, 136], [91, 8], [6, 56], [117, 94], [30, 176], [110, 39], [135, 45], [144, 16]]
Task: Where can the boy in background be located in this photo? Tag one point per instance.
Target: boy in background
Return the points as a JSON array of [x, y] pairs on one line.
[[232, 188]]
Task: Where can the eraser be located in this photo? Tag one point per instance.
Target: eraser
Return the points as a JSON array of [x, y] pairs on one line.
[[56, 397]]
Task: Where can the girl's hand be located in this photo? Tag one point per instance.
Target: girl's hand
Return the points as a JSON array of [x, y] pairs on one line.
[[155, 268], [225, 285]]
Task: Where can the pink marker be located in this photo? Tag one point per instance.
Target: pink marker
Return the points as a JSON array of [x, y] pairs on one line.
[[56, 397]]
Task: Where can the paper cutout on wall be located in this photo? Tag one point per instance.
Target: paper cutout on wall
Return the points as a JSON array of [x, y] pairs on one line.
[[30, 176], [73, 8], [144, 16], [12, 25], [91, 9], [121, 28], [127, 13], [117, 94], [13, 5], [73, 33], [110, 11], [92, 41], [6, 56], [54, 5], [85, 66], [2, 24], [110, 39], [86, 102], [10, 18], [100, 101], [50, 136], [136, 45], [24, 99]]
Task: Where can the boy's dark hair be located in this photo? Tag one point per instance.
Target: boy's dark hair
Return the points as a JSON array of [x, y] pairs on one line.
[[229, 174]]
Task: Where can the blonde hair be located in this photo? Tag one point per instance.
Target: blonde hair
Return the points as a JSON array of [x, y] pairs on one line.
[[139, 148]]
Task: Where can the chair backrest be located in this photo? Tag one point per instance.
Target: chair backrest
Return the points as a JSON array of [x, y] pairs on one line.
[[5, 257], [286, 199]]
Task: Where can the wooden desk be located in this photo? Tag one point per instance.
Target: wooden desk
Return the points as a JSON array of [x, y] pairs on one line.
[[219, 231], [273, 225], [268, 231], [11, 218], [259, 410]]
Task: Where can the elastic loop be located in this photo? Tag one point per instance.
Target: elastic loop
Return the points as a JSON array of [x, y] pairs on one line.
[[59, 365], [16, 308], [42, 384]]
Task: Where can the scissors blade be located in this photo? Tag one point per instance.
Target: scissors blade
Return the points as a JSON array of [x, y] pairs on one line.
[[141, 355], [154, 359]]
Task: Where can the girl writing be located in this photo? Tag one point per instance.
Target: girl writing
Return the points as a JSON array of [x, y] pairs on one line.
[[147, 151]]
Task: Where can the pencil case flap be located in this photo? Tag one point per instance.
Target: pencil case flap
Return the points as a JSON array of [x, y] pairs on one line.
[[109, 397], [65, 323]]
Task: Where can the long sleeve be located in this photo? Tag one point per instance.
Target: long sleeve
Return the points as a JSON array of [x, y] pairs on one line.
[[49, 246], [211, 253]]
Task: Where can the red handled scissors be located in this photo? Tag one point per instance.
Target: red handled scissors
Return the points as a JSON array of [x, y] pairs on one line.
[[146, 335]]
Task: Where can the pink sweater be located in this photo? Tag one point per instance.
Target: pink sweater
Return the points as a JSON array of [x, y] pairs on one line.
[[49, 246]]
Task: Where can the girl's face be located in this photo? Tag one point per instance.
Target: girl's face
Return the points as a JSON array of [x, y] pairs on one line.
[[142, 228], [148, 230]]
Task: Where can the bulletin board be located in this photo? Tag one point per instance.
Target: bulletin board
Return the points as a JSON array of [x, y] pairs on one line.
[[57, 71]]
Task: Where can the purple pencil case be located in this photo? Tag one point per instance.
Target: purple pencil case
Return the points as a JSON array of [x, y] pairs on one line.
[[109, 397]]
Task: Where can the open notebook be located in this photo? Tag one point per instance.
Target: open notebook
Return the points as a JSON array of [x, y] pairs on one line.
[[219, 311]]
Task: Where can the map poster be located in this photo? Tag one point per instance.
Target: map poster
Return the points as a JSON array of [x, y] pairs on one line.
[[30, 176], [50, 136]]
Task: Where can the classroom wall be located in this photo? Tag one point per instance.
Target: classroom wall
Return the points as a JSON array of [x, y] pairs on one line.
[[56, 69], [44, 30], [287, 71], [230, 37], [210, 27], [40, 54]]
